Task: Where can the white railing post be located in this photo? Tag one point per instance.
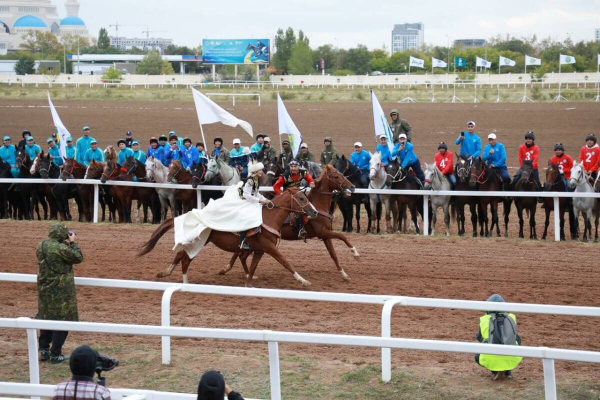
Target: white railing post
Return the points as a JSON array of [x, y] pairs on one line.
[[165, 320], [549, 379], [274, 371], [96, 202], [32, 347], [259, 100], [386, 332], [425, 214], [556, 220], [199, 199]]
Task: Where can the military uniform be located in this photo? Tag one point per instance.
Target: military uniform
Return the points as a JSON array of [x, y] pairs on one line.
[[56, 285], [330, 155], [285, 158], [267, 155], [303, 157], [399, 127]]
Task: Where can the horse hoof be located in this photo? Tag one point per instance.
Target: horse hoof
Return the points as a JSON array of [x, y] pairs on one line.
[[160, 275], [306, 283], [222, 272], [345, 277]]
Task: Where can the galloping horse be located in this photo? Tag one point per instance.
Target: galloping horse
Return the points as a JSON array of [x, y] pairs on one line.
[[462, 171], [330, 183], [346, 204], [435, 180], [402, 179], [265, 241], [527, 184], [157, 172], [488, 180], [555, 182], [379, 180], [580, 181]]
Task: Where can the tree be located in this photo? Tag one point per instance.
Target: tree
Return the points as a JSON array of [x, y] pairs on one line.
[[112, 74], [153, 64], [40, 42], [301, 60], [284, 42], [103, 39], [358, 59], [25, 65], [70, 41]]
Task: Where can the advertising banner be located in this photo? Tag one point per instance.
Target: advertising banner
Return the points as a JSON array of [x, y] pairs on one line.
[[235, 51]]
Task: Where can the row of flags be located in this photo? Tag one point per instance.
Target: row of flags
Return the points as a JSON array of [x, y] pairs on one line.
[[460, 62]]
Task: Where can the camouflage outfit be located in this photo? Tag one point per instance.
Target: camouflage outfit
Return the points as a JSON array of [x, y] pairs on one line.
[[56, 285], [267, 155], [303, 157], [285, 158], [330, 155], [399, 127]]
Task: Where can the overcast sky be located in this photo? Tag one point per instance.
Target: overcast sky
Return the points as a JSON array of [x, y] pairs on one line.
[[343, 22]]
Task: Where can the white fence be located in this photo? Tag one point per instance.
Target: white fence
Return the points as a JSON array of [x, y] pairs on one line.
[[426, 194], [273, 338], [234, 95]]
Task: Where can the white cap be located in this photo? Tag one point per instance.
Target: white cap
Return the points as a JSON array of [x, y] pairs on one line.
[[492, 136], [267, 139], [402, 135], [304, 146], [471, 123], [382, 136], [255, 168], [237, 141], [359, 144]]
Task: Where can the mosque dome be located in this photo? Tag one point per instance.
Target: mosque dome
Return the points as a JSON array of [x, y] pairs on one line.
[[72, 21], [30, 21]]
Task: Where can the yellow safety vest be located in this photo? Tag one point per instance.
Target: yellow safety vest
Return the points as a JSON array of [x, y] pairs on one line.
[[494, 362]]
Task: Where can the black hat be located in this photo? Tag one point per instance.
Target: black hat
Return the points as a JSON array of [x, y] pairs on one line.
[[83, 361], [211, 386], [163, 137], [128, 133], [26, 132], [120, 141], [199, 144], [260, 135], [591, 136], [442, 145], [529, 135], [559, 146], [187, 139], [217, 139]]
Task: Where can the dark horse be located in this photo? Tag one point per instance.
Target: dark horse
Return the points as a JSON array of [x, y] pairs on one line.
[[4, 195], [178, 174], [347, 204], [62, 193], [463, 173], [405, 180], [527, 184], [94, 171], [266, 240], [555, 182]]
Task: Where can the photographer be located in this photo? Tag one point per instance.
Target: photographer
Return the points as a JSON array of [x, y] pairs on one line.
[[56, 288], [83, 364], [212, 386]]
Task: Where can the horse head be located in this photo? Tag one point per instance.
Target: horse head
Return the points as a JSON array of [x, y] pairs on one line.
[[375, 166], [478, 169], [301, 204], [577, 175], [463, 169], [110, 171], [150, 168], [44, 165], [174, 169], [429, 176], [527, 170], [552, 176], [94, 170], [68, 168], [212, 169], [21, 158], [198, 174], [110, 153], [336, 181]]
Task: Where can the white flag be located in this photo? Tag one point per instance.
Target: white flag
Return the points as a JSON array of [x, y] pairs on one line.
[[506, 62], [416, 62], [438, 63], [483, 63], [209, 113], [532, 61], [61, 131], [566, 59], [380, 123], [288, 127]]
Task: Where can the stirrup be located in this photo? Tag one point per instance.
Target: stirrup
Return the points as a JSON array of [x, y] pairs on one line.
[[302, 234]]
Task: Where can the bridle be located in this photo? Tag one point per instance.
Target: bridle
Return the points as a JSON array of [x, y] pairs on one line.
[[464, 168], [347, 168], [113, 166], [73, 168], [480, 176], [340, 186], [398, 173], [293, 200]]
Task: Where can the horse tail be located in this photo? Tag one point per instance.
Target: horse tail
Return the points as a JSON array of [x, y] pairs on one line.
[[156, 235]]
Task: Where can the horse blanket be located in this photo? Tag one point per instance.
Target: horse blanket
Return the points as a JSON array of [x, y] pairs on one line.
[[227, 214]]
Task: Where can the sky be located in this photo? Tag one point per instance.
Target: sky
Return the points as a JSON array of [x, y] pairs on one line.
[[342, 23]]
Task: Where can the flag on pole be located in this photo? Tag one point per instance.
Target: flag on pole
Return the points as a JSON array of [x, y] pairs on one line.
[[532, 61], [506, 62], [416, 62], [287, 127], [438, 63], [483, 63], [566, 59], [62, 133], [460, 62], [209, 112], [380, 122]]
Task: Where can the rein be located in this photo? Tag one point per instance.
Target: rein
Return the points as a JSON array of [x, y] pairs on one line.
[[482, 175]]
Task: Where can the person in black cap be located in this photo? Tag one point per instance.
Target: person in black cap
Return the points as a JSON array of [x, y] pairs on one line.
[[81, 385], [220, 151], [212, 386], [26, 133], [129, 139]]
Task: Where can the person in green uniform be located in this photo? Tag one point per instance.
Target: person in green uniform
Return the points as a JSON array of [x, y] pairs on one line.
[[329, 155], [399, 126]]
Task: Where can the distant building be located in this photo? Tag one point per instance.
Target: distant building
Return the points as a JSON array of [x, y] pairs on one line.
[[408, 37], [124, 43], [597, 35], [469, 43]]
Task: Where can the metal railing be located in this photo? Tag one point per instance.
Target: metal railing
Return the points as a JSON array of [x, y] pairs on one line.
[[388, 302]]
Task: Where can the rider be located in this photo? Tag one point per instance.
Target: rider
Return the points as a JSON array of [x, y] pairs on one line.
[[286, 156], [94, 153], [189, 155], [267, 155], [83, 144], [32, 149], [163, 141], [590, 155], [8, 155], [238, 158], [203, 159], [219, 150], [494, 154], [249, 192], [156, 151], [399, 126], [529, 151], [70, 150], [404, 151], [360, 159], [330, 154], [23, 142], [256, 147], [470, 142], [564, 162], [293, 178], [124, 153], [444, 161], [383, 148], [137, 153], [54, 153], [129, 139], [172, 135], [174, 152], [304, 154]]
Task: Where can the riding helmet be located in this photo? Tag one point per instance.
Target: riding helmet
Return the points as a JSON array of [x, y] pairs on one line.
[[153, 140], [559, 146], [529, 135], [591, 136], [217, 139], [442, 145]]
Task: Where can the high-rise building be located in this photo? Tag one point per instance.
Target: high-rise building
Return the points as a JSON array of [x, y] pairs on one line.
[[408, 37], [469, 43], [597, 35]]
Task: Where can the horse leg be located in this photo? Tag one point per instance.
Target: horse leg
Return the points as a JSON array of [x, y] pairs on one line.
[[169, 270], [373, 217], [357, 216], [329, 245], [255, 259], [388, 216], [532, 233], [562, 223], [473, 208], [447, 218], [243, 257], [276, 254], [231, 263], [369, 213], [495, 218], [520, 215], [547, 222]]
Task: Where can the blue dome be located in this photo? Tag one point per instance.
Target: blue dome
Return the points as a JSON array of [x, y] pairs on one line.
[[30, 21], [72, 21]]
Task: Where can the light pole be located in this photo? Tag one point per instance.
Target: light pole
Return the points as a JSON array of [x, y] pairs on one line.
[[449, 37]]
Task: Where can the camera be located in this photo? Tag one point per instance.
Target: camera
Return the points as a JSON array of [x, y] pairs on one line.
[[71, 233], [105, 363]]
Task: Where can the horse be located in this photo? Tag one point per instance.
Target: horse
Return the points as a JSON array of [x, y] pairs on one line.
[[330, 183], [46, 169], [157, 172], [404, 180], [555, 182], [266, 240], [312, 167], [123, 195], [379, 180], [145, 196], [435, 180], [346, 204], [4, 187], [527, 184], [227, 175], [94, 171], [178, 174], [462, 171], [580, 181], [73, 169], [488, 180], [29, 192]]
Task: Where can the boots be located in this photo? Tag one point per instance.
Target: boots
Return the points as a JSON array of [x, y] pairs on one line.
[[44, 355], [243, 245]]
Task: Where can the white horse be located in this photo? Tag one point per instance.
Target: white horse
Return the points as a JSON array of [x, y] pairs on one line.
[[379, 180], [228, 175], [435, 180], [589, 207], [157, 172]]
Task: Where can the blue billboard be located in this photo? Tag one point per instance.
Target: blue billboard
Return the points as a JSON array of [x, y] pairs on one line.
[[235, 51]]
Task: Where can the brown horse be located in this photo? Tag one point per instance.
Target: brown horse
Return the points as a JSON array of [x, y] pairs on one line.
[[264, 241], [527, 184], [489, 181], [178, 174], [462, 171], [555, 182], [71, 169], [94, 171], [326, 187], [123, 195]]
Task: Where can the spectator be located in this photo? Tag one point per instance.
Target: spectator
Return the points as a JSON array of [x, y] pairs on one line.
[[81, 385], [399, 126], [287, 155], [84, 143], [23, 142], [219, 151], [212, 386], [129, 139], [469, 141], [329, 155], [305, 155]]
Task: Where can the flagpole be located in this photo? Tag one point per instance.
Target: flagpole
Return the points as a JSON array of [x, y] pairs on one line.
[[597, 82], [203, 138], [524, 99], [559, 97]]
